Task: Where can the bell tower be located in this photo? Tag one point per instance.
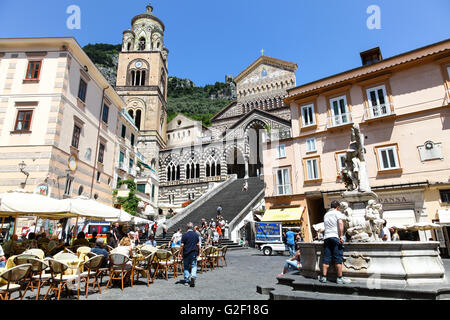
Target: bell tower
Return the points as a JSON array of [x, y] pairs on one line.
[[142, 81]]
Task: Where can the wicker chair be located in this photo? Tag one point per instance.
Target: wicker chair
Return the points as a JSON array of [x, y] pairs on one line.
[[23, 259], [58, 280], [163, 261], [177, 262], [90, 255], [201, 259], [209, 259], [92, 266], [118, 265], [38, 278], [144, 266], [13, 277], [37, 252], [221, 257]]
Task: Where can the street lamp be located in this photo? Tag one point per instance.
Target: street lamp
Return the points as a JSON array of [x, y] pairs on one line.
[[22, 166]]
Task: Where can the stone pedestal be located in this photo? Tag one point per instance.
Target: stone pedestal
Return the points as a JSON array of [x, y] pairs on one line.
[[399, 262]]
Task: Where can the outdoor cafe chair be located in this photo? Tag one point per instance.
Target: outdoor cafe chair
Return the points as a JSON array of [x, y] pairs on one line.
[[36, 274], [163, 261], [144, 266], [109, 248], [91, 255], [118, 265], [38, 277], [209, 259], [23, 259], [13, 277], [58, 280], [178, 263], [222, 256], [37, 252], [92, 266], [201, 259]]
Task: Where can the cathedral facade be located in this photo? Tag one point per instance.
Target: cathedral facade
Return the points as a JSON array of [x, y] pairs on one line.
[[233, 143], [189, 157]]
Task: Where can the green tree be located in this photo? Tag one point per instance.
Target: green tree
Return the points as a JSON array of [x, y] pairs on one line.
[[131, 202]]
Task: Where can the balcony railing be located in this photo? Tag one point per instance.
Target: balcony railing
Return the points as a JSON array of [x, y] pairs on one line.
[[374, 112], [132, 172], [339, 120]]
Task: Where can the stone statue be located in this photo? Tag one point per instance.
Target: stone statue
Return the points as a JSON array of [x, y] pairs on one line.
[[374, 214], [358, 228], [355, 174]]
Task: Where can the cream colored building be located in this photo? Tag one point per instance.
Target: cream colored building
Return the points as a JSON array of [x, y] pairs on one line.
[[59, 116], [402, 107]]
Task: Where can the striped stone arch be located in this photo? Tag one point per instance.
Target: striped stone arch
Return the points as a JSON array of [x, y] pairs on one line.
[[170, 157], [209, 150], [251, 124], [231, 147], [188, 156]]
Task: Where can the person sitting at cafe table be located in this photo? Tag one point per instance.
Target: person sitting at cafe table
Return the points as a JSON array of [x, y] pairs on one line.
[[81, 240], [99, 249], [124, 247], [54, 242], [10, 245]]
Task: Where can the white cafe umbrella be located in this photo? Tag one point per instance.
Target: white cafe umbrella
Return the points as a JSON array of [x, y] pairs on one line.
[[423, 226], [123, 217], [139, 220], [91, 209], [22, 203]]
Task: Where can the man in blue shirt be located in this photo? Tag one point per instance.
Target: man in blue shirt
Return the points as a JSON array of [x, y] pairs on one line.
[[99, 249], [189, 249], [290, 242]]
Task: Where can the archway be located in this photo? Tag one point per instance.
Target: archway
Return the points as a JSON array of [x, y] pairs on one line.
[[236, 162], [254, 139]]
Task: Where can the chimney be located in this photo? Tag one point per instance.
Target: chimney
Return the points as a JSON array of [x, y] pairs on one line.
[[371, 56]]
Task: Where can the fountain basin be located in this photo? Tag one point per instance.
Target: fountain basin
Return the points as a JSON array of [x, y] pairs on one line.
[[399, 262]]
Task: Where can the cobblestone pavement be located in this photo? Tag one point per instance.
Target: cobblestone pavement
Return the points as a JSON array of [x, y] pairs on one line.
[[246, 269]]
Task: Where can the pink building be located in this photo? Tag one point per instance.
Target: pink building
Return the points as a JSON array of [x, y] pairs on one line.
[[402, 107]]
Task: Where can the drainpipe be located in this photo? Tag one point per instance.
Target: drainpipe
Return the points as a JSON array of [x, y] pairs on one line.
[[98, 144]]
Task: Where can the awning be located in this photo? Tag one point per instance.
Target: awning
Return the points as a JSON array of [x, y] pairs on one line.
[[283, 215], [399, 217]]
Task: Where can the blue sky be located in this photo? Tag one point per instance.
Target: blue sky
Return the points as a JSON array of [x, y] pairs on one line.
[[208, 39]]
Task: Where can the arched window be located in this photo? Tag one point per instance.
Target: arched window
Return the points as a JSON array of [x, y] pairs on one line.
[[138, 77], [142, 44], [173, 172], [163, 82], [192, 169], [131, 113], [138, 118], [129, 46], [212, 167]]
